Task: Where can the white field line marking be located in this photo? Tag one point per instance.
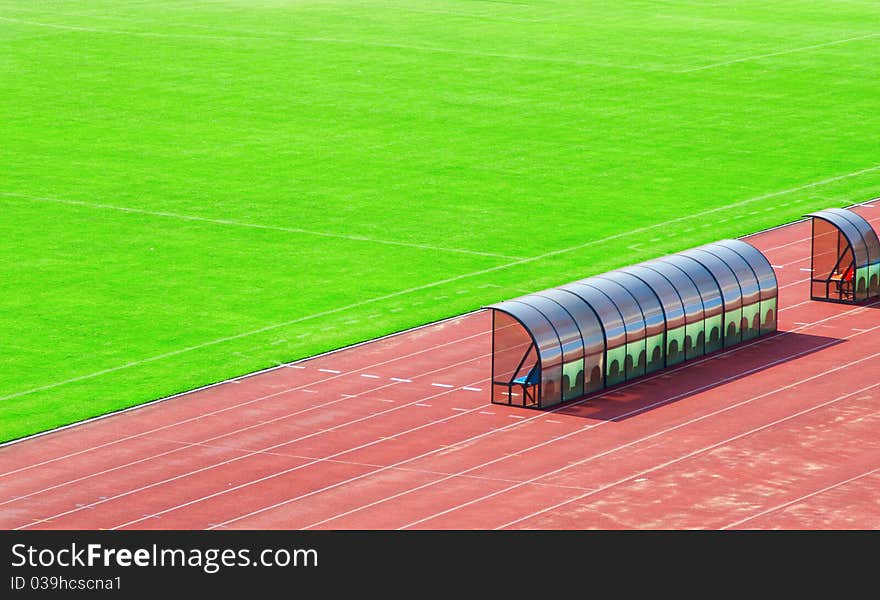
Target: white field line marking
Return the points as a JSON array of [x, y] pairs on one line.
[[240, 430], [486, 412], [421, 404], [689, 454], [519, 423], [442, 282], [151, 34], [443, 385], [370, 376], [472, 389], [780, 53], [575, 432], [198, 417], [401, 380], [329, 371], [800, 499], [235, 223], [517, 57], [248, 402], [296, 468], [261, 451], [460, 409], [612, 450]]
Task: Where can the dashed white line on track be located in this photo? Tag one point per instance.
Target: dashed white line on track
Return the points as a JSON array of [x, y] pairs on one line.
[[400, 380], [421, 404], [472, 389], [369, 376], [330, 371], [443, 385]]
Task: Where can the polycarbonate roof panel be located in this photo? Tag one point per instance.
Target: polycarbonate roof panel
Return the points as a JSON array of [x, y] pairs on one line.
[[592, 333], [549, 348], [652, 311], [633, 320], [724, 275], [872, 244], [702, 278], [566, 329], [760, 265], [692, 302], [609, 315], [673, 307], [852, 234], [748, 281]]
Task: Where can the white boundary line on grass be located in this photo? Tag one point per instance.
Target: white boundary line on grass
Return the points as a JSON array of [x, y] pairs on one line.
[[404, 292], [245, 224], [780, 53]]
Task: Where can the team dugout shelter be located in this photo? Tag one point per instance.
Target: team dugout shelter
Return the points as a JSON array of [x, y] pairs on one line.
[[845, 254], [572, 341]]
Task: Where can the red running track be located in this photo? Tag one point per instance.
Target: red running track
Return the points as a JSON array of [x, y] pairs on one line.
[[781, 432]]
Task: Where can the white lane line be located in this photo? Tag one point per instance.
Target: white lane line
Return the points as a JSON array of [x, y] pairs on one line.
[[246, 403], [369, 376], [780, 53], [384, 400], [443, 385], [294, 366], [807, 270], [301, 466], [687, 455], [589, 426], [310, 391], [485, 412], [460, 409], [710, 358], [421, 404], [515, 417], [801, 499], [777, 266], [440, 282], [401, 380], [235, 223], [334, 371], [472, 389], [264, 450], [552, 421]]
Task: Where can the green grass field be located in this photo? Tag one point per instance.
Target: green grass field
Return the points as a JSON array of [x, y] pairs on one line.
[[192, 191]]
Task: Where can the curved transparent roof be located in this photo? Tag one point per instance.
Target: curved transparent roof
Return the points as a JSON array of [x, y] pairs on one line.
[[592, 332], [667, 295], [723, 274], [536, 324], [649, 303], [760, 265], [606, 311], [743, 272], [857, 231], [633, 319], [702, 279]]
